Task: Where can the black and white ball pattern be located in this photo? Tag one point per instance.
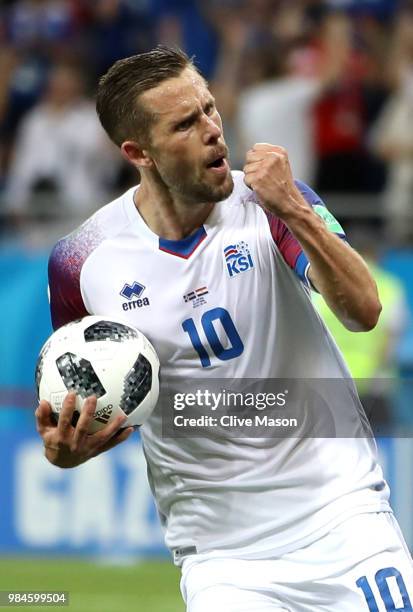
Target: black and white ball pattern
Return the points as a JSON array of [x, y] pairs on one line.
[[102, 357]]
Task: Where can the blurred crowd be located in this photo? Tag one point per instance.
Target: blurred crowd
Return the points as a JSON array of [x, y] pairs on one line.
[[332, 81]]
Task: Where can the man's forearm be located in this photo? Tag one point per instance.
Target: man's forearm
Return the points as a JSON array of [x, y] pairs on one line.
[[336, 270]]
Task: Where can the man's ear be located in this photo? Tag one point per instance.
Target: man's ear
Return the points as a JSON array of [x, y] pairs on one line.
[[136, 155]]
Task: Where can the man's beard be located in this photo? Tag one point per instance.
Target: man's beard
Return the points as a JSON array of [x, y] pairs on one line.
[[196, 192]]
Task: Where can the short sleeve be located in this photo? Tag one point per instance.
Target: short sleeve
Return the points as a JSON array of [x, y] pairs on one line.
[[288, 245]]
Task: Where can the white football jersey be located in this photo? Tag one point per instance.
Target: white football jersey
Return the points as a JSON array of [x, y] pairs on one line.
[[230, 301]]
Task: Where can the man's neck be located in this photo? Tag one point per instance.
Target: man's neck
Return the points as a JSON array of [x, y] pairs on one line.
[[168, 217]]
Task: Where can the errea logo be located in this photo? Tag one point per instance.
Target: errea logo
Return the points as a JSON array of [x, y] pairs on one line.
[[129, 291], [135, 290]]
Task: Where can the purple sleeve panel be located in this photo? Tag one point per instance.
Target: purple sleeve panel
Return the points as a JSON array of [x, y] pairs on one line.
[[66, 303], [65, 267], [287, 244]]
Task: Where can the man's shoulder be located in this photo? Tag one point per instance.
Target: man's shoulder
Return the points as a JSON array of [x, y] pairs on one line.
[[105, 223]]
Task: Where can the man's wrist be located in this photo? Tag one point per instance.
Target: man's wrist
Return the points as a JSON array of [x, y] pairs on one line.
[[300, 216]]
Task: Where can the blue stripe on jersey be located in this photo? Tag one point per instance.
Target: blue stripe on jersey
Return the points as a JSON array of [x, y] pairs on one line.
[[301, 266], [185, 247]]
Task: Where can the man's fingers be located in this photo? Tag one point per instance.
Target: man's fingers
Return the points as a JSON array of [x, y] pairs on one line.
[[86, 417], [266, 147], [105, 434], [250, 170], [94, 442], [252, 167], [259, 156], [44, 418], [66, 413], [115, 440], [254, 156], [260, 150]]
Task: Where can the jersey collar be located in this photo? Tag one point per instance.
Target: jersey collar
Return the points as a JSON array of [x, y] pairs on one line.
[[183, 248]]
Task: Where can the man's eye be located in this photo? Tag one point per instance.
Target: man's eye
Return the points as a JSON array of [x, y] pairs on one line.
[[209, 108], [184, 125]]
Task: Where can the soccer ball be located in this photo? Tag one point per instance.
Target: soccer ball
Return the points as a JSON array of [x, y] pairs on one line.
[[102, 357]]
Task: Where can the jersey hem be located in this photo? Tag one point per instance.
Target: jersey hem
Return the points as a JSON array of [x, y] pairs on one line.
[[266, 554]]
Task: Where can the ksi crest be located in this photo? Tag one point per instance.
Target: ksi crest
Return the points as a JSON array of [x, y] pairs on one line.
[[238, 258]]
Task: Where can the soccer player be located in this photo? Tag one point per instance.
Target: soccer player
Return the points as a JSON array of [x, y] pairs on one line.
[[299, 523]]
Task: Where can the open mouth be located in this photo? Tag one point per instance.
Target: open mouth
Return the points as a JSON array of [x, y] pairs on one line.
[[217, 163]]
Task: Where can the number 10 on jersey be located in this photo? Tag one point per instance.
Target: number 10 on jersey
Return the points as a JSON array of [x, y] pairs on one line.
[[209, 320]]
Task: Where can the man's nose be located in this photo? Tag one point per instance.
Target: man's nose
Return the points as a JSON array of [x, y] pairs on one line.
[[212, 131]]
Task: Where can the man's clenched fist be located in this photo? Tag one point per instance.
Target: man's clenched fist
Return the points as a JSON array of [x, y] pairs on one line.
[[267, 171]]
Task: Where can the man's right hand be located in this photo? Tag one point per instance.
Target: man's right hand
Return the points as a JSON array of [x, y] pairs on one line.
[[67, 446]]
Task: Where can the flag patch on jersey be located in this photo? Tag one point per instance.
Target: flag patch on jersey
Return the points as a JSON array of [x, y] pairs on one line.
[[238, 258], [196, 293], [196, 296]]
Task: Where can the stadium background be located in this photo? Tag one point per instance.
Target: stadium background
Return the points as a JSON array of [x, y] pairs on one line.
[[94, 531]]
